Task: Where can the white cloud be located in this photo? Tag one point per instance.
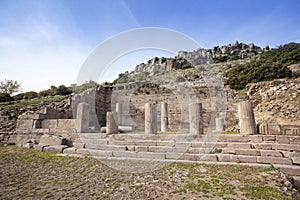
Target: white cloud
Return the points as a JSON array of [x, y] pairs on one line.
[[38, 55]]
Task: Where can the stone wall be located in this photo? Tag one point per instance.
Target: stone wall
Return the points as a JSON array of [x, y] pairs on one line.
[[133, 96]]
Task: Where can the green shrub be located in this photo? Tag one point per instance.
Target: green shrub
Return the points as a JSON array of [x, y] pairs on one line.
[[26, 95], [268, 66], [5, 97]]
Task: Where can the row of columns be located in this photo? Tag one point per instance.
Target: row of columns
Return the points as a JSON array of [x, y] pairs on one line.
[[195, 118], [245, 114]]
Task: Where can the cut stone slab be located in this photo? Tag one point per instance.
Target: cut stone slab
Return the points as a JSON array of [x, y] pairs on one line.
[[247, 152], [55, 148], [70, 150], [272, 153], [227, 158], [38, 147], [52, 140], [83, 151], [151, 155], [206, 157], [124, 154], [263, 146], [247, 159], [274, 160], [101, 153], [296, 160], [79, 145], [291, 170], [142, 148], [239, 145]]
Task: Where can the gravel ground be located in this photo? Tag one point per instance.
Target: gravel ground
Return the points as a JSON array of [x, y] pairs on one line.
[[29, 174]]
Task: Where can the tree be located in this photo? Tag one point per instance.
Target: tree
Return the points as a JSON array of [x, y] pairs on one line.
[[63, 90], [4, 97], [9, 87]]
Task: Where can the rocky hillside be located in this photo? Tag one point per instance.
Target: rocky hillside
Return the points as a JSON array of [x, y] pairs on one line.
[[276, 101], [189, 65]]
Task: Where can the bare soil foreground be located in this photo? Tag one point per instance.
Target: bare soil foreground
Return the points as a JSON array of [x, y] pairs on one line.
[[29, 174]]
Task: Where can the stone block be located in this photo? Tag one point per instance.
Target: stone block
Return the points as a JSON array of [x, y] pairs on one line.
[[151, 155], [52, 140], [296, 161], [100, 153], [263, 146], [228, 151], [239, 145], [55, 148], [24, 124], [160, 149], [234, 138], [269, 138], [79, 145], [70, 150], [66, 124], [38, 147], [206, 157], [272, 153], [146, 143], [49, 123], [274, 160], [173, 156], [247, 159], [83, 152], [291, 170], [124, 154], [287, 147], [227, 158], [141, 148], [283, 139], [247, 152], [295, 140], [256, 138], [187, 156]]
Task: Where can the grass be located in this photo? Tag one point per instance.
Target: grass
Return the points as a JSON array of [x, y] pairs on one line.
[[34, 101], [29, 174]]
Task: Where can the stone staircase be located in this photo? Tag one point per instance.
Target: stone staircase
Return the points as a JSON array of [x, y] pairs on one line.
[[281, 151]]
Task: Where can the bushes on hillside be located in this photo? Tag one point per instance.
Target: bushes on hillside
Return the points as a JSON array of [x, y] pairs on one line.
[[5, 97], [268, 66], [26, 95]]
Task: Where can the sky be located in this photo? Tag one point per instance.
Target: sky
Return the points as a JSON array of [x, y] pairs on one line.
[[45, 42]]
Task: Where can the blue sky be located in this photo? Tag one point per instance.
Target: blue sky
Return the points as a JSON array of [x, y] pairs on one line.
[[45, 42]]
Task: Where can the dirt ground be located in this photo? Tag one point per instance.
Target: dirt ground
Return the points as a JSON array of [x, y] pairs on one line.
[[29, 174]]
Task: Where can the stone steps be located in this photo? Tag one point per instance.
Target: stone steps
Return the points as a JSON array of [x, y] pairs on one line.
[[283, 151]]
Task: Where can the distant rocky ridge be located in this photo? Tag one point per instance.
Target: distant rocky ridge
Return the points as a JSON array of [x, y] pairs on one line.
[[185, 60]]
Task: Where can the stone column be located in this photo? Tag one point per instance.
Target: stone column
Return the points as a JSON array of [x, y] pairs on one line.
[[220, 124], [164, 116], [195, 118], [150, 118], [111, 125], [119, 113], [246, 118], [82, 117]]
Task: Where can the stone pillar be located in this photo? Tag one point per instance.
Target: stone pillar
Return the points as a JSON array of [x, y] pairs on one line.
[[82, 117], [111, 124], [195, 118], [164, 116], [220, 124], [150, 118], [246, 118], [119, 113]]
